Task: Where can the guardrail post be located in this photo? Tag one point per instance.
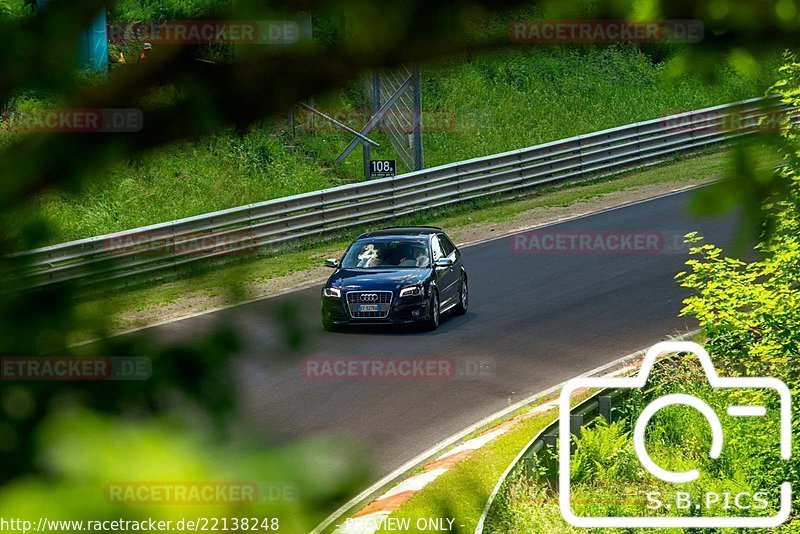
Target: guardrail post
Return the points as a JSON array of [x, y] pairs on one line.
[[604, 406], [580, 157], [550, 455], [171, 249], [367, 158], [376, 92], [416, 96], [253, 246], [575, 424], [529, 466], [639, 141]]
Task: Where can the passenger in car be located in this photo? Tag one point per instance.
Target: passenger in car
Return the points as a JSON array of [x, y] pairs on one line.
[[370, 254]]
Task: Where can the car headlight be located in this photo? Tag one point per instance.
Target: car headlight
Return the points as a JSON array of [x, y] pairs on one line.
[[411, 291], [332, 292]]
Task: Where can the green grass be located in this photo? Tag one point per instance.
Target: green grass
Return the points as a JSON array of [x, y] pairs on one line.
[[188, 179], [608, 479], [462, 492], [530, 95], [498, 102]]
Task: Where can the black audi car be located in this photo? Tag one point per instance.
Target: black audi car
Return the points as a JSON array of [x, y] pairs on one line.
[[400, 276]]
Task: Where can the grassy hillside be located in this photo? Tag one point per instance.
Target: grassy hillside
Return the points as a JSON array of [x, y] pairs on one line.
[[530, 95], [497, 102], [187, 179]]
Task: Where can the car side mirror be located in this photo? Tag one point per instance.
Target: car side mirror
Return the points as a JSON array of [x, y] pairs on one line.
[[444, 262], [332, 263]]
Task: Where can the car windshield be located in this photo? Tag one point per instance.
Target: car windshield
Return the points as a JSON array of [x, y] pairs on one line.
[[377, 253]]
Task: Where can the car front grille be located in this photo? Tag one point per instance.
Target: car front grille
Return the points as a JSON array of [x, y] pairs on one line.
[[383, 299]]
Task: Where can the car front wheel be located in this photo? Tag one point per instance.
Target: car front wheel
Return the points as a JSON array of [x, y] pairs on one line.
[[463, 298], [432, 321]]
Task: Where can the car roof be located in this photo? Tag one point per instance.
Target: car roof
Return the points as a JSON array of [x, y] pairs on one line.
[[403, 231]]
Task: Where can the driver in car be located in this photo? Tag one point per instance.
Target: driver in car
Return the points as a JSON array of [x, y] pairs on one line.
[[422, 257]]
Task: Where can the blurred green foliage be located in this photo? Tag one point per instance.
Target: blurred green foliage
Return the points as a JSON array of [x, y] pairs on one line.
[[61, 443], [749, 313], [608, 479], [750, 310], [138, 10], [15, 10]]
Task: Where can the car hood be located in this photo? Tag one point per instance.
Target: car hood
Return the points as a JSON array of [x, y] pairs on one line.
[[373, 279]]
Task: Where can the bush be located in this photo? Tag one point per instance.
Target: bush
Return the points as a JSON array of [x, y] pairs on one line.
[[605, 454]]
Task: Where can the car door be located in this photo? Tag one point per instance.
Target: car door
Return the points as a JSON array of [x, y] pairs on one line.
[[455, 255], [447, 278]]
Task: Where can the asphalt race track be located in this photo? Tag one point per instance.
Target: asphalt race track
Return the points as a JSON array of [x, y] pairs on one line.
[[534, 321]]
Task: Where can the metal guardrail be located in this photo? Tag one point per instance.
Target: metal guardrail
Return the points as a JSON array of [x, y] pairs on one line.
[[391, 480], [585, 413], [598, 405], [155, 249]]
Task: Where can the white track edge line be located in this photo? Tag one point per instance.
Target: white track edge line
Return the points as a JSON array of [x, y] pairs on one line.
[[419, 459], [499, 484]]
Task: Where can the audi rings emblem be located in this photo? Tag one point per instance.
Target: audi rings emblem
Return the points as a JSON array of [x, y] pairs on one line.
[[369, 297]]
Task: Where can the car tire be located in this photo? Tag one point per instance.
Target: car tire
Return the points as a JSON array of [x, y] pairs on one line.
[[432, 321], [463, 298]]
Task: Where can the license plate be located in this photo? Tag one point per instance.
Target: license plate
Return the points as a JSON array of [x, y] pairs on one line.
[[368, 307]]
